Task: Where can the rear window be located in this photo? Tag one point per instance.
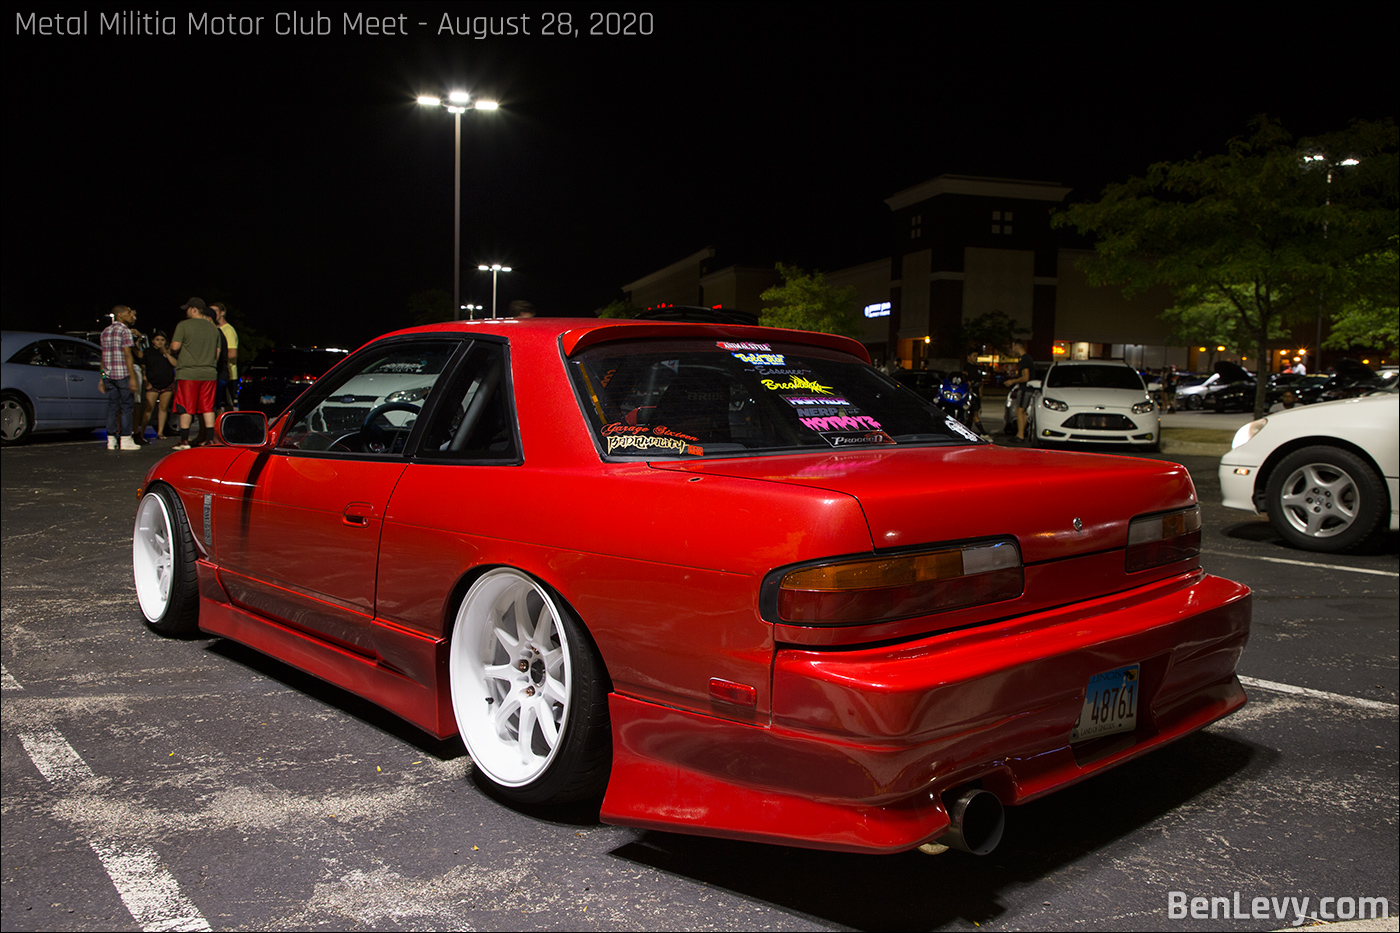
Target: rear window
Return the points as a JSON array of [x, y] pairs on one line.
[[1093, 377], [701, 398]]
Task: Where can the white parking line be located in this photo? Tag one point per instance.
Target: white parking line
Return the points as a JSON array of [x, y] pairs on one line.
[[1306, 563], [1321, 695], [149, 891], [6, 681]]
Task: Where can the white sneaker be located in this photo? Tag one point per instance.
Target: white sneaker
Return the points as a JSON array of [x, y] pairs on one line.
[[181, 447], [129, 443], [111, 443]]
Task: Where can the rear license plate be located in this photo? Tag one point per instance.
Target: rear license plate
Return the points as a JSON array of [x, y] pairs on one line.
[[1110, 704]]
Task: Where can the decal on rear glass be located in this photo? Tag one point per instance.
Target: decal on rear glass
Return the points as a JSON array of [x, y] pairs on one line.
[[842, 423], [760, 359], [659, 430], [957, 426], [732, 345], [797, 382], [864, 439], [644, 442]]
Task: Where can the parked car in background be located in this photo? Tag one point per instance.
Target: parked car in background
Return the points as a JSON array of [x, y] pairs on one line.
[[1192, 397], [49, 382], [732, 568], [278, 376], [1096, 402], [1325, 474], [1349, 379]]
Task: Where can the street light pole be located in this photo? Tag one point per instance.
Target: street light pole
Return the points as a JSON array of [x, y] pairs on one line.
[[458, 103], [495, 269], [1331, 166]]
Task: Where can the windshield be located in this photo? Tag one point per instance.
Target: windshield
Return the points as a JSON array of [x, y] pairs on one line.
[[693, 398], [1093, 377]]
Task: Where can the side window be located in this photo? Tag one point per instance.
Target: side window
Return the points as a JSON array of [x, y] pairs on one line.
[[73, 355], [37, 354], [372, 405], [475, 419]]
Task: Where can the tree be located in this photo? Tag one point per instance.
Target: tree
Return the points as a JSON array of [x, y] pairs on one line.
[[1374, 321], [804, 301], [617, 309], [996, 330], [1268, 234]]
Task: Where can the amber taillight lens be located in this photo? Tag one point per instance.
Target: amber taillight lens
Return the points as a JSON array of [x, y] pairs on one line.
[[852, 592], [1164, 538]]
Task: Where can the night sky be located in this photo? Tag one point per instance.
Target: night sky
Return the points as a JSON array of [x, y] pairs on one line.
[[295, 177]]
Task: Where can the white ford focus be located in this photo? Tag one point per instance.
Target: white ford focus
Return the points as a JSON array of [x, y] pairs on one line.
[[1096, 402], [1324, 474]]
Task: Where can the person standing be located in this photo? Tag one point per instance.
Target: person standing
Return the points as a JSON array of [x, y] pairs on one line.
[[160, 384], [228, 366], [120, 381], [1024, 367], [195, 344]]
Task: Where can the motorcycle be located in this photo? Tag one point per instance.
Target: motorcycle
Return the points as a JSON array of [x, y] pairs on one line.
[[955, 397]]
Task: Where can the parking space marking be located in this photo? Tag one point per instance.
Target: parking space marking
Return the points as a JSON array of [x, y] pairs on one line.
[[1322, 695], [1306, 563], [150, 893], [6, 681]]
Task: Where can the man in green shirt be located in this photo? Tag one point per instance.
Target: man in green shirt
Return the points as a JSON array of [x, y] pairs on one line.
[[195, 344]]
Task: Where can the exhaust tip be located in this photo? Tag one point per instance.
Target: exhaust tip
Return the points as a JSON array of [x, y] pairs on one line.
[[977, 821]]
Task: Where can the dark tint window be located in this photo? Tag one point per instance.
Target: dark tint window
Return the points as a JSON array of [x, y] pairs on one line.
[[700, 398], [474, 419], [1093, 377]]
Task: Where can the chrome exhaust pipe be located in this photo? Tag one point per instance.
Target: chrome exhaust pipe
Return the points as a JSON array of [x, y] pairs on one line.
[[976, 821]]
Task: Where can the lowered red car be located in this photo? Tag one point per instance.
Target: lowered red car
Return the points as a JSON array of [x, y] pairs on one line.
[[733, 579]]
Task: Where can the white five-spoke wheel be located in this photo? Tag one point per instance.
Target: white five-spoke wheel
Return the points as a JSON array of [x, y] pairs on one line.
[[1325, 499], [528, 691], [162, 561]]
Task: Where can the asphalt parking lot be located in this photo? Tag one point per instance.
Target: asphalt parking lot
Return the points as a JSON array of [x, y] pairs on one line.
[[157, 784]]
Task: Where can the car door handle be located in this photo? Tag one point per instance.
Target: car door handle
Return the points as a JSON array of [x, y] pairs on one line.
[[72, 378], [357, 514]]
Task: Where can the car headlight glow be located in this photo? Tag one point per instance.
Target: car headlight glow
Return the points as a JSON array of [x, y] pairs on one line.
[[1142, 408], [408, 395], [1243, 435], [853, 592], [1164, 538], [1054, 404]]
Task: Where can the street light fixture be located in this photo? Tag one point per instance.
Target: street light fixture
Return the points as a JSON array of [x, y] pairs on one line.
[[458, 103], [495, 269], [471, 309]]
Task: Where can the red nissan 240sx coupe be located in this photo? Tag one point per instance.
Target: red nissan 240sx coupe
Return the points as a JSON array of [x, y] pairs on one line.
[[733, 579]]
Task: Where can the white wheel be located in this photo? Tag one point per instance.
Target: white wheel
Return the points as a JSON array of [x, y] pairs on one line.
[[162, 562], [527, 691]]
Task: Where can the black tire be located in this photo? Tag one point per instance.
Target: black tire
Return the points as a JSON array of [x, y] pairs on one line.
[[16, 418], [1325, 499], [163, 558], [498, 687]]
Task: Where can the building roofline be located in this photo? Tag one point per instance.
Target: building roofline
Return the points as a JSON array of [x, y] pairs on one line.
[[979, 186], [692, 260]]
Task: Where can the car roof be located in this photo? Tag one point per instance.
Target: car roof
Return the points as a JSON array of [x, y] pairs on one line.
[[1091, 363], [11, 341], [576, 334]]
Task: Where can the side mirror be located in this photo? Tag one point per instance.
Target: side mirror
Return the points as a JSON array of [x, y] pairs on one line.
[[242, 428], [1033, 384]]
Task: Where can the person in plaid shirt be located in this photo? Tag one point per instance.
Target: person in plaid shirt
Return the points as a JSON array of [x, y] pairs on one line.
[[119, 379]]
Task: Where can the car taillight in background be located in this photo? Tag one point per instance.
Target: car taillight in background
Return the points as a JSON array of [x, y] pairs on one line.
[[860, 591]]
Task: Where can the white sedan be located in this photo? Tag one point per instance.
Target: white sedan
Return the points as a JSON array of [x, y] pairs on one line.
[[1096, 402], [1325, 474]]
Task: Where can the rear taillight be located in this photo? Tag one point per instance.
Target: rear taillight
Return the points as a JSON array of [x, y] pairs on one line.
[[853, 592], [302, 379], [1164, 538]]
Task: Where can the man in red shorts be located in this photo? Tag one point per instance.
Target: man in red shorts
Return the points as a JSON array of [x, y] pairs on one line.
[[195, 344]]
